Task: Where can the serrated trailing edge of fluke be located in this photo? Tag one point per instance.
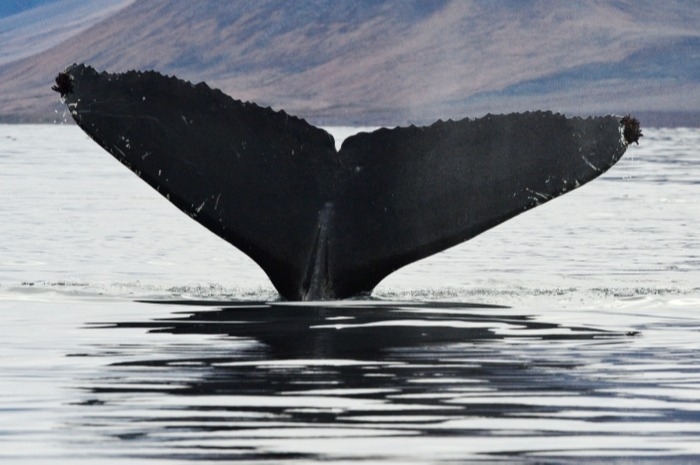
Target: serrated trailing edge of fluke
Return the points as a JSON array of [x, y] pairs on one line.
[[64, 85]]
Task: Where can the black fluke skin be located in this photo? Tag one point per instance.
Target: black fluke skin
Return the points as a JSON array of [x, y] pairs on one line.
[[326, 224]]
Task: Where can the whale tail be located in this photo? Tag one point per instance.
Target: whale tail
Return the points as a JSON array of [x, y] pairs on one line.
[[328, 224]]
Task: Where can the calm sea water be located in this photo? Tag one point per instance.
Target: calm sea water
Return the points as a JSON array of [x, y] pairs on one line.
[[130, 334]]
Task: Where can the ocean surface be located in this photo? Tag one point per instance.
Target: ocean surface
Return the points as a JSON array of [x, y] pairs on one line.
[[130, 334]]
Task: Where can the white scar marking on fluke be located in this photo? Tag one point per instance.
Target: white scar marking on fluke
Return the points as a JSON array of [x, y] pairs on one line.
[[621, 128], [538, 194], [216, 204], [199, 209], [589, 163]]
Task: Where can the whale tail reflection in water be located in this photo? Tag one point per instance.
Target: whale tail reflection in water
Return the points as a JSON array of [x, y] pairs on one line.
[[327, 224], [357, 381], [352, 328]]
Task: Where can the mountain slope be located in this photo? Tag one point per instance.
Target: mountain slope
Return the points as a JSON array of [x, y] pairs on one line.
[[383, 62]]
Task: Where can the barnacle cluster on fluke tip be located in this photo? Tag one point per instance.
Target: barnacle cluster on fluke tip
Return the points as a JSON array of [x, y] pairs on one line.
[[631, 130], [64, 84]]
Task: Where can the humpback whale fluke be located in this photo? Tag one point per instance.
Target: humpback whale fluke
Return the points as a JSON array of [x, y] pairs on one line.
[[328, 224]]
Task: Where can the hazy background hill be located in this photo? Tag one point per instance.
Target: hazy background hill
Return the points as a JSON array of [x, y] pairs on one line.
[[372, 62]]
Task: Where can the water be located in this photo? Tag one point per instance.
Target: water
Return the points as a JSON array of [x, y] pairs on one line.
[[130, 334]]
